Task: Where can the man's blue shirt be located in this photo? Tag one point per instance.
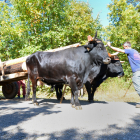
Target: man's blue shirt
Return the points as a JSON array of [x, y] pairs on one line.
[[134, 59]]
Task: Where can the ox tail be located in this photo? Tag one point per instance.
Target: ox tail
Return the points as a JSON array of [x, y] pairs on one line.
[[28, 85], [28, 89]]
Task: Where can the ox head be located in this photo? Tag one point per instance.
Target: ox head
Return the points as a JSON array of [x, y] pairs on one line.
[[97, 50], [114, 68]]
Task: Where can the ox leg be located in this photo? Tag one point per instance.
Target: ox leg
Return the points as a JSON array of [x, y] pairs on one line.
[[77, 103], [95, 85], [92, 94], [88, 88], [57, 93], [72, 100], [28, 90], [93, 89], [34, 85], [74, 89], [60, 91], [82, 92]]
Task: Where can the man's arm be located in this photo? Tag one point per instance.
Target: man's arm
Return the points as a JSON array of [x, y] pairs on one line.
[[115, 49]]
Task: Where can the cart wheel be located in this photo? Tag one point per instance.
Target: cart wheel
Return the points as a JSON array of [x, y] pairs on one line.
[[10, 90]]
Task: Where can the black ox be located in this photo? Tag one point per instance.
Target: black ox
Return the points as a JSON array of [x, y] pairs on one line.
[[70, 66], [99, 74]]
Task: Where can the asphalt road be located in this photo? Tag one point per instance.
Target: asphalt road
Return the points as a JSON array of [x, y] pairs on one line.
[[53, 121]]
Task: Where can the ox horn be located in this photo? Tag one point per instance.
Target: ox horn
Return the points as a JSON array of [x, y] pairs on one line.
[[90, 38], [122, 61], [95, 35], [115, 54]]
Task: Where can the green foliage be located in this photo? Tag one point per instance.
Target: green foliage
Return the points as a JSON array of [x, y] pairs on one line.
[[125, 26], [136, 4], [37, 25], [8, 32], [45, 91]]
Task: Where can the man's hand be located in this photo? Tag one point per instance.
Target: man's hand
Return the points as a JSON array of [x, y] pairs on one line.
[[109, 44]]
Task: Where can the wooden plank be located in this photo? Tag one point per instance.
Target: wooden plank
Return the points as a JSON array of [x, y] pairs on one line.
[[15, 61], [12, 76], [63, 48], [19, 67]]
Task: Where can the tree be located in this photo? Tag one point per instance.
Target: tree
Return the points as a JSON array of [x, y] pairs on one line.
[[38, 25], [136, 3], [9, 31]]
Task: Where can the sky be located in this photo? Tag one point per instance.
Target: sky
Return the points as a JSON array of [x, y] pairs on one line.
[[100, 7]]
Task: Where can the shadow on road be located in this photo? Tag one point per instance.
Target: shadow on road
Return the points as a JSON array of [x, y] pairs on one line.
[[113, 132], [132, 103], [11, 116]]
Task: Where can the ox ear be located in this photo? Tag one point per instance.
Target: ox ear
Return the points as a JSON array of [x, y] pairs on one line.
[[89, 47], [109, 54]]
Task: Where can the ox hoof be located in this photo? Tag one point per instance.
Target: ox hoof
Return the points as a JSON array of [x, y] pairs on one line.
[[27, 99], [78, 108], [90, 101], [73, 106], [36, 104]]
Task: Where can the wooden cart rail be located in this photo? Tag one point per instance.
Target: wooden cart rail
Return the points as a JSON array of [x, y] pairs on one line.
[[13, 77]]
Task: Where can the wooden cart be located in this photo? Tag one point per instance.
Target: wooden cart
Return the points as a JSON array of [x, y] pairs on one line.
[[10, 72], [14, 70]]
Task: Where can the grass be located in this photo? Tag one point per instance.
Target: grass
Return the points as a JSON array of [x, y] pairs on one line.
[[113, 89]]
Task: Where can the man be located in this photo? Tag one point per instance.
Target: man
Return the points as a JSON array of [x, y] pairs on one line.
[[134, 60], [21, 82]]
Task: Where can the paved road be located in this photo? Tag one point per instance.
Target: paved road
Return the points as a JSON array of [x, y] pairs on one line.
[[53, 121]]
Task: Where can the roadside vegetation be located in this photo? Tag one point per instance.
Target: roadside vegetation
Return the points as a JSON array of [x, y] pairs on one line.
[[27, 26], [113, 90]]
